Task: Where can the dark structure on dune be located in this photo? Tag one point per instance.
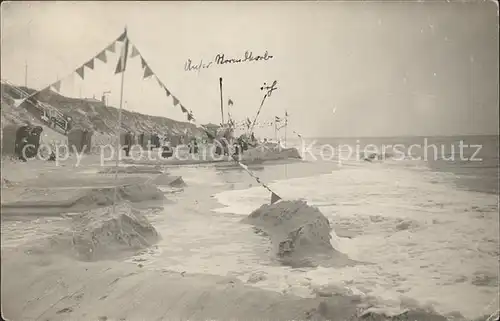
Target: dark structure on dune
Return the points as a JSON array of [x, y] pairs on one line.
[[22, 142]]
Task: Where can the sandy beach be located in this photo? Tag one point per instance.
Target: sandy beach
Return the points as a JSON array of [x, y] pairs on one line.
[[43, 279]]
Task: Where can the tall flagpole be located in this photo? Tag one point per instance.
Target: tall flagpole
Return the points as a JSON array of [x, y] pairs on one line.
[[221, 101], [275, 129], [286, 124], [119, 125]]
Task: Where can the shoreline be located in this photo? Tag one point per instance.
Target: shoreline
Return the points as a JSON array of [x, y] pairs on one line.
[[116, 289]]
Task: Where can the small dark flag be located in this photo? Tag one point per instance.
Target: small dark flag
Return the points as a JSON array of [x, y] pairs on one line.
[[176, 101], [230, 102], [147, 72], [57, 85], [80, 72], [274, 198], [111, 47], [134, 52], [122, 37], [102, 56], [90, 64], [184, 110]]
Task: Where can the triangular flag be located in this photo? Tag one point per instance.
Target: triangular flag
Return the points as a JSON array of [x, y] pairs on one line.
[[102, 56], [176, 101], [190, 117], [122, 62], [143, 63], [230, 102], [122, 37], [134, 52], [274, 198], [80, 72], [111, 47], [147, 72], [90, 64], [184, 110], [57, 85], [167, 92]]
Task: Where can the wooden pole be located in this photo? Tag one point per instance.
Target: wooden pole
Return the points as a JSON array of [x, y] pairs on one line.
[[26, 74], [286, 124], [118, 130]]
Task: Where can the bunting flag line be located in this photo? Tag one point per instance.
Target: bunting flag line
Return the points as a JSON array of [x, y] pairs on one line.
[[190, 117], [80, 70], [159, 82], [300, 136]]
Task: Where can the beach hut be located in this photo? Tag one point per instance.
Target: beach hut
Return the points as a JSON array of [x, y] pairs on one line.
[[16, 137], [9, 140], [140, 139], [127, 140], [80, 140]]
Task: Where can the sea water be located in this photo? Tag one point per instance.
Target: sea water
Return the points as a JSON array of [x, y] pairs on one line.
[[428, 228]]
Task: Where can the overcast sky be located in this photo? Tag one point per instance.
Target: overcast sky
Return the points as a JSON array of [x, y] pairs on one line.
[[387, 69]]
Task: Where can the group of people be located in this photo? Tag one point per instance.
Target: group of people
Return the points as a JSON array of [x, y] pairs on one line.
[[225, 141]]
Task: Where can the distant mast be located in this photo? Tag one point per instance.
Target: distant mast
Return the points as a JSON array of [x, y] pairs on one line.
[[221, 102], [26, 73]]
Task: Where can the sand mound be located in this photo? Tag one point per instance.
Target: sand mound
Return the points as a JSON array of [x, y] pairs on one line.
[[133, 193], [167, 180], [56, 201], [101, 234], [300, 234]]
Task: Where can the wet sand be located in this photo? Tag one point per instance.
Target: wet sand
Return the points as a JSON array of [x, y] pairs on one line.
[[53, 286]]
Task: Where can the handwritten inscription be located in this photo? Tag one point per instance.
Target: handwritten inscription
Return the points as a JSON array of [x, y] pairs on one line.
[[189, 66], [222, 59]]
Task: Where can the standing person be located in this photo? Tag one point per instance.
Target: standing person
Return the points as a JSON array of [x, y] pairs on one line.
[[128, 143], [21, 141]]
